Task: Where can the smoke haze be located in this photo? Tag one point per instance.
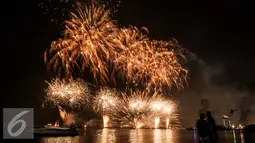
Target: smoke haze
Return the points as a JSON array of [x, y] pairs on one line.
[[210, 82]]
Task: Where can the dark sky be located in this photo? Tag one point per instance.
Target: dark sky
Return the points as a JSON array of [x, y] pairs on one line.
[[219, 32]]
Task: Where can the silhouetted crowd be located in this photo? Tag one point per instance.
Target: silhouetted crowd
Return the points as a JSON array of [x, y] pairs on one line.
[[206, 128]]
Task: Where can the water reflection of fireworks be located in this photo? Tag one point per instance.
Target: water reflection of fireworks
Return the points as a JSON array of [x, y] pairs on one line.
[[106, 136], [59, 139]]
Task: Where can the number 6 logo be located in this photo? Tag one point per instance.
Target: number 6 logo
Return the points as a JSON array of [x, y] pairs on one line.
[[15, 121]]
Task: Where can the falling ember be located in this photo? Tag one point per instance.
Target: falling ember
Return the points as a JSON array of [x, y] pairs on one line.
[[106, 120], [167, 123], [157, 120]]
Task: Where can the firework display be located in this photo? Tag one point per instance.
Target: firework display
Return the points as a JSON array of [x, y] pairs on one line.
[[153, 62], [105, 101], [139, 109], [84, 45], [71, 93], [93, 42], [135, 109]]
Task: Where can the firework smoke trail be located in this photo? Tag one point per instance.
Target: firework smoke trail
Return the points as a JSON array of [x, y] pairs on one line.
[[72, 93], [86, 43], [67, 118]]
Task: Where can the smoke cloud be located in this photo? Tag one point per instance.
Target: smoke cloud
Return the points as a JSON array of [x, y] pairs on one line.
[[210, 82]]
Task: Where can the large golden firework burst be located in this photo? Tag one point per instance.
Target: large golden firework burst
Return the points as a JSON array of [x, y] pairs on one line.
[[86, 43], [93, 41]]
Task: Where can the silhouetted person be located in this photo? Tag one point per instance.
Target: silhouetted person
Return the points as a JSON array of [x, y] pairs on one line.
[[203, 129], [213, 136]]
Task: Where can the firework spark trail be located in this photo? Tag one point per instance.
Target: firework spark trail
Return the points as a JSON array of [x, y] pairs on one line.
[[86, 43], [134, 109], [132, 54], [162, 107], [92, 40], [105, 101], [71, 93], [168, 60], [139, 109], [153, 62]]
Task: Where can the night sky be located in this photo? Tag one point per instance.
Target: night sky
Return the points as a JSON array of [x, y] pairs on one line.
[[217, 32]]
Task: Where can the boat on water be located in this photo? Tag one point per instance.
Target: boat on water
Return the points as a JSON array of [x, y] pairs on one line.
[[56, 127], [49, 130]]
